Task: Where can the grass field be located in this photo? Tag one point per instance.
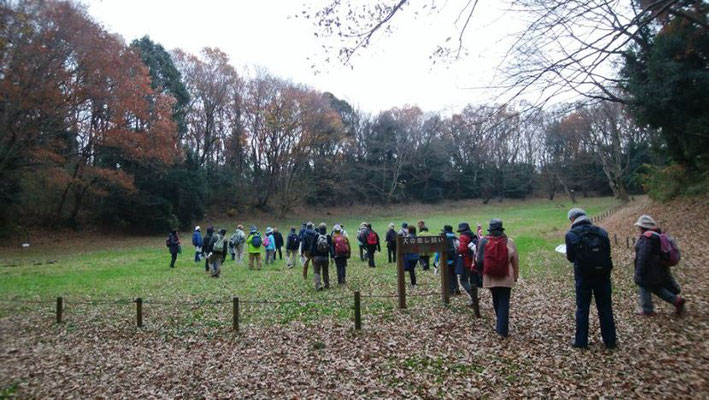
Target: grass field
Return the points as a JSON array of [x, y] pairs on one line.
[[116, 271]]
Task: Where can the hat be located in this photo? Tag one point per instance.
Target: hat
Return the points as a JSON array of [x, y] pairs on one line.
[[222, 231], [240, 226], [253, 229], [646, 221], [575, 213], [404, 225], [210, 230], [447, 228], [337, 228], [309, 225], [463, 226], [196, 228], [269, 230], [495, 225], [391, 225]]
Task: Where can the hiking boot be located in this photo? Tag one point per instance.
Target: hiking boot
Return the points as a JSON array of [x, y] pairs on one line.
[[611, 346], [645, 313], [577, 346], [679, 305]]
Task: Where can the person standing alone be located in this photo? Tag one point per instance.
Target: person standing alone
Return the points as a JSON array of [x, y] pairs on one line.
[[173, 245], [278, 239], [588, 247]]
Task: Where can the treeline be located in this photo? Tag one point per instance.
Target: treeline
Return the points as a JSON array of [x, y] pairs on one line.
[[133, 136]]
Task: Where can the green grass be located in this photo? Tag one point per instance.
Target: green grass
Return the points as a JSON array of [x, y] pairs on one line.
[[80, 273]]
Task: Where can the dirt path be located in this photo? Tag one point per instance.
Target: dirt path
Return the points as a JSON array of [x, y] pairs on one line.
[[422, 353]]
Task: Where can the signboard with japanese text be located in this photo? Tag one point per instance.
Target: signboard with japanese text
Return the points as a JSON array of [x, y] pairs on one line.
[[422, 244]]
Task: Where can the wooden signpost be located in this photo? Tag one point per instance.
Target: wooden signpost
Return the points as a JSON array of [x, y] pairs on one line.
[[421, 244]]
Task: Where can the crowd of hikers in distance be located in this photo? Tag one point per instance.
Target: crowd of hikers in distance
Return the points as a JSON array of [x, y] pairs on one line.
[[474, 260]]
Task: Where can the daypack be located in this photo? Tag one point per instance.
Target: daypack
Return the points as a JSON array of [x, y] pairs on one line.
[[362, 237], [496, 257], [170, 241], [450, 247], [266, 241], [321, 244], [593, 253], [292, 242], [219, 244], [669, 251], [256, 241], [371, 237], [342, 248]]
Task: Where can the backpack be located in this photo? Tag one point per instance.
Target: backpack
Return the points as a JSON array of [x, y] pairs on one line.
[[219, 244], [170, 241], [669, 251], [266, 241], [450, 247], [593, 253], [342, 248], [496, 257], [321, 244], [371, 237], [256, 241], [362, 237], [292, 242]]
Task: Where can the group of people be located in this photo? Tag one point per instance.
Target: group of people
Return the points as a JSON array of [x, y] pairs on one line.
[[473, 259]]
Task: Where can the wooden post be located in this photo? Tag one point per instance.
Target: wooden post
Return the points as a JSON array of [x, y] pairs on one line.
[[60, 309], [139, 311], [235, 322], [615, 239], [627, 242], [444, 273], [400, 274], [358, 312]]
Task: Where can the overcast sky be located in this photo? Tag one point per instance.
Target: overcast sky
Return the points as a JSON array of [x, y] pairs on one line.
[[396, 71]]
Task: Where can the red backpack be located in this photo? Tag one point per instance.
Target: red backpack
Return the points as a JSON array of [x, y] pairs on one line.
[[371, 237], [341, 246], [669, 251], [496, 257]]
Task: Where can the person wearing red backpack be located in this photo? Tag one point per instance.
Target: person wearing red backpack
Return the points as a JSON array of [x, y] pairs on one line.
[[589, 248], [372, 244], [468, 275], [341, 249], [652, 268], [499, 262]]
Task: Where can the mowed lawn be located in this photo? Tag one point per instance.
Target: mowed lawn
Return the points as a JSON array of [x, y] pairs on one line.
[[108, 271]]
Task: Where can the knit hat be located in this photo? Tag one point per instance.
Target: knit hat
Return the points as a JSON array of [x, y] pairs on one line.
[[646, 221], [337, 228], [495, 225], [575, 213]]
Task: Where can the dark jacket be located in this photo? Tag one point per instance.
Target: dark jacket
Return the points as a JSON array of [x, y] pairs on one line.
[[308, 239], [573, 237], [208, 243], [295, 243], [649, 271], [378, 245], [391, 238], [279, 239], [173, 243], [314, 252]]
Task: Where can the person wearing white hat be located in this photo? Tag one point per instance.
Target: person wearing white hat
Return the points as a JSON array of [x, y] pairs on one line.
[[197, 243], [651, 275]]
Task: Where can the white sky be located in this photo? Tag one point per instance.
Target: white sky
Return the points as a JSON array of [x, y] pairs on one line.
[[394, 72]]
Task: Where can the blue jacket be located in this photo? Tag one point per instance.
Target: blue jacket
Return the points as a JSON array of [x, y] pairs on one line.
[[271, 243], [573, 237], [410, 258], [437, 258], [197, 239]]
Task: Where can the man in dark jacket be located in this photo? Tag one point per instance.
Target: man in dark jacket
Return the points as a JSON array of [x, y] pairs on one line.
[[372, 244], [173, 245], [205, 245], [321, 250], [279, 243], [391, 243], [588, 284], [301, 238], [464, 264], [308, 237], [651, 275]]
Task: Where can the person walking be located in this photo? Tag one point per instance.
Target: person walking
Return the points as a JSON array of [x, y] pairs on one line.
[[238, 239], [372, 245], [321, 250], [404, 231], [451, 253], [278, 238], [205, 242], [217, 251], [197, 243], [411, 259], [308, 239], [173, 245], [391, 243], [269, 244], [425, 258], [469, 278], [362, 239], [652, 268], [499, 261], [301, 237], [341, 250], [253, 245], [589, 249], [292, 248]]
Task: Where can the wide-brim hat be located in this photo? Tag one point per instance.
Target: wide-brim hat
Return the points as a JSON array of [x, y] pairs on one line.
[[447, 228], [646, 221], [463, 226], [495, 225]]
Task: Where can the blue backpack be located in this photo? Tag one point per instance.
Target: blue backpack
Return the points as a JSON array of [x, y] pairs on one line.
[[256, 240]]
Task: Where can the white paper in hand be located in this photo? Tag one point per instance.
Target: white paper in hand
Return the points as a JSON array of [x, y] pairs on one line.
[[561, 249]]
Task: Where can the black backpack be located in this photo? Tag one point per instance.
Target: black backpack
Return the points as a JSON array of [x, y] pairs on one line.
[[593, 253], [293, 242], [450, 247]]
